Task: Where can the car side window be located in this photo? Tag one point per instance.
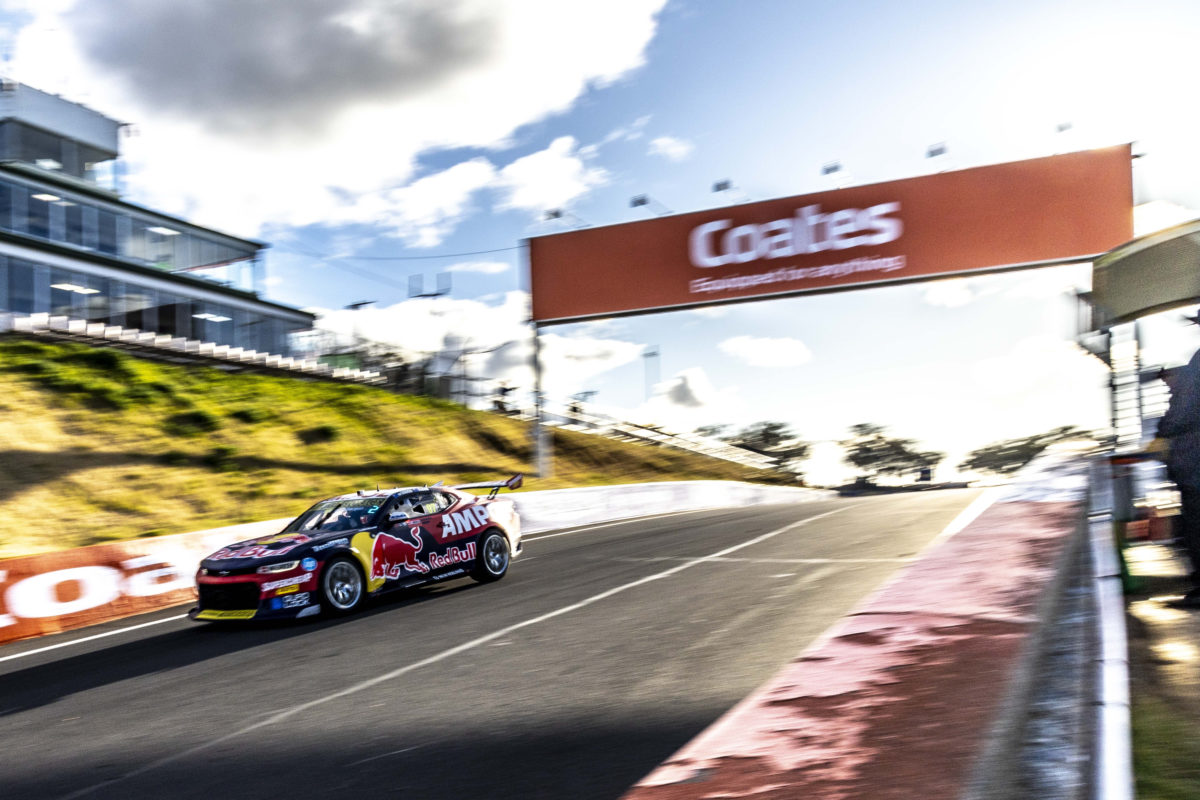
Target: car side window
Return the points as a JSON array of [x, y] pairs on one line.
[[444, 500], [409, 505], [421, 504]]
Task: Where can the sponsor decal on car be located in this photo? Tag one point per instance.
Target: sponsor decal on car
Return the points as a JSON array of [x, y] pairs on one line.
[[309, 564], [298, 600], [335, 543], [467, 520], [393, 556], [261, 548], [288, 590], [452, 556], [270, 586], [213, 613]]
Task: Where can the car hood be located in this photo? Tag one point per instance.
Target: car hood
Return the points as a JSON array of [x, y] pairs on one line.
[[273, 547]]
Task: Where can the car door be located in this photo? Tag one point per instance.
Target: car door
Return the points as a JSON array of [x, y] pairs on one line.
[[464, 519], [401, 551]]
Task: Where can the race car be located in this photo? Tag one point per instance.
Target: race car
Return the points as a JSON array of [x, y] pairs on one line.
[[347, 548]]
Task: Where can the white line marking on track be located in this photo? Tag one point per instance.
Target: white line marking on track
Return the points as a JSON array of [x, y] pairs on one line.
[[965, 517], [651, 559], [445, 654], [524, 560], [94, 636], [384, 755], [629, 521]]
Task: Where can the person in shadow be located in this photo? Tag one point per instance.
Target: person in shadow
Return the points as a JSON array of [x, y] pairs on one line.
[[1180, 426]]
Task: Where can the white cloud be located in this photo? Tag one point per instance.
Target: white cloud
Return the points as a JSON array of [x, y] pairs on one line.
[[495, 336], [710, 312], [1158, 215], [571, 361], [685, 402], [950, 293], [760, 351], [628, 133], [427, 210], [671, 148], [1044, 284], [550, 178], [1039, 383], [235, 155], [480, 267]]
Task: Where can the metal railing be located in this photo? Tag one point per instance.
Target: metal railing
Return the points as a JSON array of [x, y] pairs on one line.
[[160, 343]]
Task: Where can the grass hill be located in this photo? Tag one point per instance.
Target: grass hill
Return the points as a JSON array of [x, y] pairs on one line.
[[97, 445]]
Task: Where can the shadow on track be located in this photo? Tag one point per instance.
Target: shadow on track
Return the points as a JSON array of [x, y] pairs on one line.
[[580, 757], [28, 688]]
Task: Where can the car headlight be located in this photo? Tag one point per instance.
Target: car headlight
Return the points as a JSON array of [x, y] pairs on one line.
[[282, 566]]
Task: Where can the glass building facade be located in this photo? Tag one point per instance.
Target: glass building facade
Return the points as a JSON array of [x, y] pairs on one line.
[[70, 246]]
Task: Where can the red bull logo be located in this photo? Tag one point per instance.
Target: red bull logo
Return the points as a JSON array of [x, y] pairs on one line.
[[394, 556], [453, 556], [261, 547]]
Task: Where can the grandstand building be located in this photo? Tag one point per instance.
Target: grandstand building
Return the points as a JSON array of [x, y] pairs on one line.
[[70, 246]]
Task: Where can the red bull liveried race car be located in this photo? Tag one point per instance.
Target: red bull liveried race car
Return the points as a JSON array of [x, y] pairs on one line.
[[347, 548]]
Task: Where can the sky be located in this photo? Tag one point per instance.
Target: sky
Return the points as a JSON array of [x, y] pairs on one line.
[[370, 141]]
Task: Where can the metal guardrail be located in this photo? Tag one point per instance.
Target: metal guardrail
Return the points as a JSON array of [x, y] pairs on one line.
[[1112, 774]]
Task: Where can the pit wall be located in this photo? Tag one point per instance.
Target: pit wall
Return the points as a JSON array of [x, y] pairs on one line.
[[922, 690], [69, 589]]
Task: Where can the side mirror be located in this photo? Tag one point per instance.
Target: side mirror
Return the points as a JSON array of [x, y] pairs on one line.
[[396, 516]]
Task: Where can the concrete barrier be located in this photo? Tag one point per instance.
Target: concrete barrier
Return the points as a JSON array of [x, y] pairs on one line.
[[70, 589], [563, 508]]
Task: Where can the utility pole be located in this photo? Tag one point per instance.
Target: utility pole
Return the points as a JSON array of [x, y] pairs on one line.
[[650, 352], [541, 439]]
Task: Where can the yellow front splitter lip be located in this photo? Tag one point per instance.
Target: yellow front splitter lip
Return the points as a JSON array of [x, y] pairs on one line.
[[216, 614]]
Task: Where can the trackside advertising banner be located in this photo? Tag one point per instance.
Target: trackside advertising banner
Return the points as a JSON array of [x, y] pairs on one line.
[[69, 589], [1059, 208]]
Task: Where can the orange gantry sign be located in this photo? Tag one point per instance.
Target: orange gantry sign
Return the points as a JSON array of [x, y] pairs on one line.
[[1059, 208]]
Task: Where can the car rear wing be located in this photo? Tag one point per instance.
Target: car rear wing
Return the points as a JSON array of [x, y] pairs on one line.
[[511, 484]]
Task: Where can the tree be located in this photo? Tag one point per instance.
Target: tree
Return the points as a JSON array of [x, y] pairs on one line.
[[774, 439], [872, 451], [1008, 456], [712, 431]]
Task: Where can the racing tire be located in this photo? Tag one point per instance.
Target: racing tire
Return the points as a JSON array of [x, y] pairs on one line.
[[494, 557], [342, 586]]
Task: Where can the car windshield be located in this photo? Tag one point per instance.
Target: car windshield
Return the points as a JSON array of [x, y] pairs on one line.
[[337, 515]]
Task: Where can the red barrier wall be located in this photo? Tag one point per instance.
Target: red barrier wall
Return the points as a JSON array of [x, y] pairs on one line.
[[69, 589]]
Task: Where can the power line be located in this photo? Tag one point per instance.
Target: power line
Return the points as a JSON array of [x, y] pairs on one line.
[[410, 258], [333, 261], [362, 273]]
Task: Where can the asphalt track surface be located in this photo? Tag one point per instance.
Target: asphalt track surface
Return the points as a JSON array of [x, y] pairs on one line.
[[604, 650]]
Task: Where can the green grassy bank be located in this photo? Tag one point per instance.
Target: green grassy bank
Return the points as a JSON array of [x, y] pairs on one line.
[[97, 444]]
